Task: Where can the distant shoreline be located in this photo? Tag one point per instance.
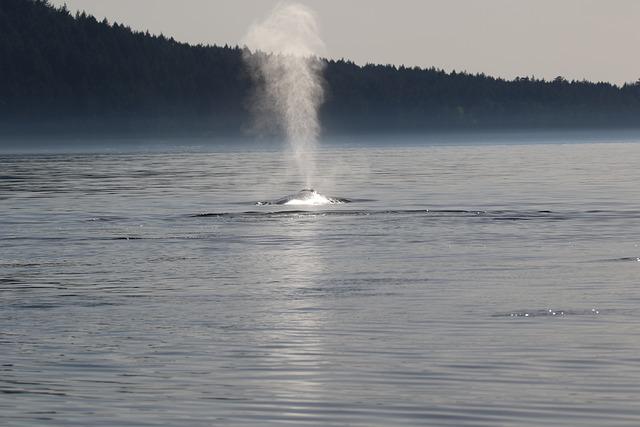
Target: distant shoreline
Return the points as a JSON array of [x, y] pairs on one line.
[[67, 74], [75, 143]]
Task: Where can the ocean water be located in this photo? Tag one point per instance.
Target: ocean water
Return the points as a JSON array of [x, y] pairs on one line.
[[469, 285]]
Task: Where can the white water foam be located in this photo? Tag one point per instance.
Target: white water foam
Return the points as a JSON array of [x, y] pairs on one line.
[[306, 197], [314, 199]]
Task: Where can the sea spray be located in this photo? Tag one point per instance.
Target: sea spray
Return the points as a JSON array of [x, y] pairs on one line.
[[287, 71]]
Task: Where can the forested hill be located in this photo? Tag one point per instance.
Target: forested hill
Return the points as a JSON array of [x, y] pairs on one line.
[[60, 71]]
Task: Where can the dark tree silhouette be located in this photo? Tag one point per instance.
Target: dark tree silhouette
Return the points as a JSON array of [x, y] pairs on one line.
[[60, 71]]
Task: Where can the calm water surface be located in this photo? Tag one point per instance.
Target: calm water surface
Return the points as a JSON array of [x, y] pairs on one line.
[[147, 289]]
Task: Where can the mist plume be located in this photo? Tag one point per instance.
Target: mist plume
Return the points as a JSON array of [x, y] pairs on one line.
[[287, 70]]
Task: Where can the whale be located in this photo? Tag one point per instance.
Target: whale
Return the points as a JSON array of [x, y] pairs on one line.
[[307, 196]]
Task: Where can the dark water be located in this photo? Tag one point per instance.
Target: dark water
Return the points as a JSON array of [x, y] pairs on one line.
[[475, 286]]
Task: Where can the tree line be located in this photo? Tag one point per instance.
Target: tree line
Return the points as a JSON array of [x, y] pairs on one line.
[[59, 68]]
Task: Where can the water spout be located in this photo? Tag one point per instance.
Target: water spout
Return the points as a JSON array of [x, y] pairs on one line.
[[287, 73]]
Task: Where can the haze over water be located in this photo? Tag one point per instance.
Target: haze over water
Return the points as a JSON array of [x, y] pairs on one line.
[[147, 288]]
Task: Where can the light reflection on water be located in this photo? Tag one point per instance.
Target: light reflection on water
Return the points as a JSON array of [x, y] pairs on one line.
[[147, 289]]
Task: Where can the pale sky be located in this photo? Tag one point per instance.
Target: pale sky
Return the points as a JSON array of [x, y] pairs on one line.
[[594, 39]]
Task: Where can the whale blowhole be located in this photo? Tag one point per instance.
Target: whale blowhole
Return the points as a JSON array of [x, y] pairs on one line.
[[305, 197]]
